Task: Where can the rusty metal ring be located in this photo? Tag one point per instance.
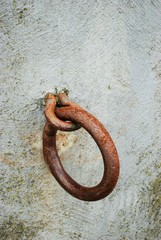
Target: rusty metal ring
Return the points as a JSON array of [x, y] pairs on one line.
[[78, 115], [51, 103]]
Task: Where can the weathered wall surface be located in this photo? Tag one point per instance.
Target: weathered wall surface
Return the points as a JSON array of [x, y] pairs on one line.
[[108, 55]]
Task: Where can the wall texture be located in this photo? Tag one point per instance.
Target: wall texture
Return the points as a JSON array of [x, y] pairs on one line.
[[107, 54]]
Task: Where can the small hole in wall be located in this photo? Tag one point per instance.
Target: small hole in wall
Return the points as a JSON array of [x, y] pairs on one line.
[[80, 157]]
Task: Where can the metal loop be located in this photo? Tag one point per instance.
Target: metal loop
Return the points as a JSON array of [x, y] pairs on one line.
[[102, 138], [52, 119]]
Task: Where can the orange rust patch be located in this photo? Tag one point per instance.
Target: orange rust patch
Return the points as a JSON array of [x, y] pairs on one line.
[[64, 141]]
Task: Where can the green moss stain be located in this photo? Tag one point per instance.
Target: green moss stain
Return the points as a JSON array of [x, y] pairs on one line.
[[21, 13], [74, 235], [154, 210], [20, 10], [156, 192], [65, 90], [21, 189], [13, 229], [150, 208], [57, 91], [40, 103], [16, 179]]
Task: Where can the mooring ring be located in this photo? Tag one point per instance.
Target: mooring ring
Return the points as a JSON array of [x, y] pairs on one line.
[[78, 115]]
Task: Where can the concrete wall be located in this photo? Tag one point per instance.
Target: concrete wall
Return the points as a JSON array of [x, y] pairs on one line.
[[107, 54]]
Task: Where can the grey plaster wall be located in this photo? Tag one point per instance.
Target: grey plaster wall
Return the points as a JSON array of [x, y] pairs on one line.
[[107, 54]]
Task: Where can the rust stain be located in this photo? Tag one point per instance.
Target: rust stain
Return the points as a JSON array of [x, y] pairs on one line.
[[65, 141], [5, 159]]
